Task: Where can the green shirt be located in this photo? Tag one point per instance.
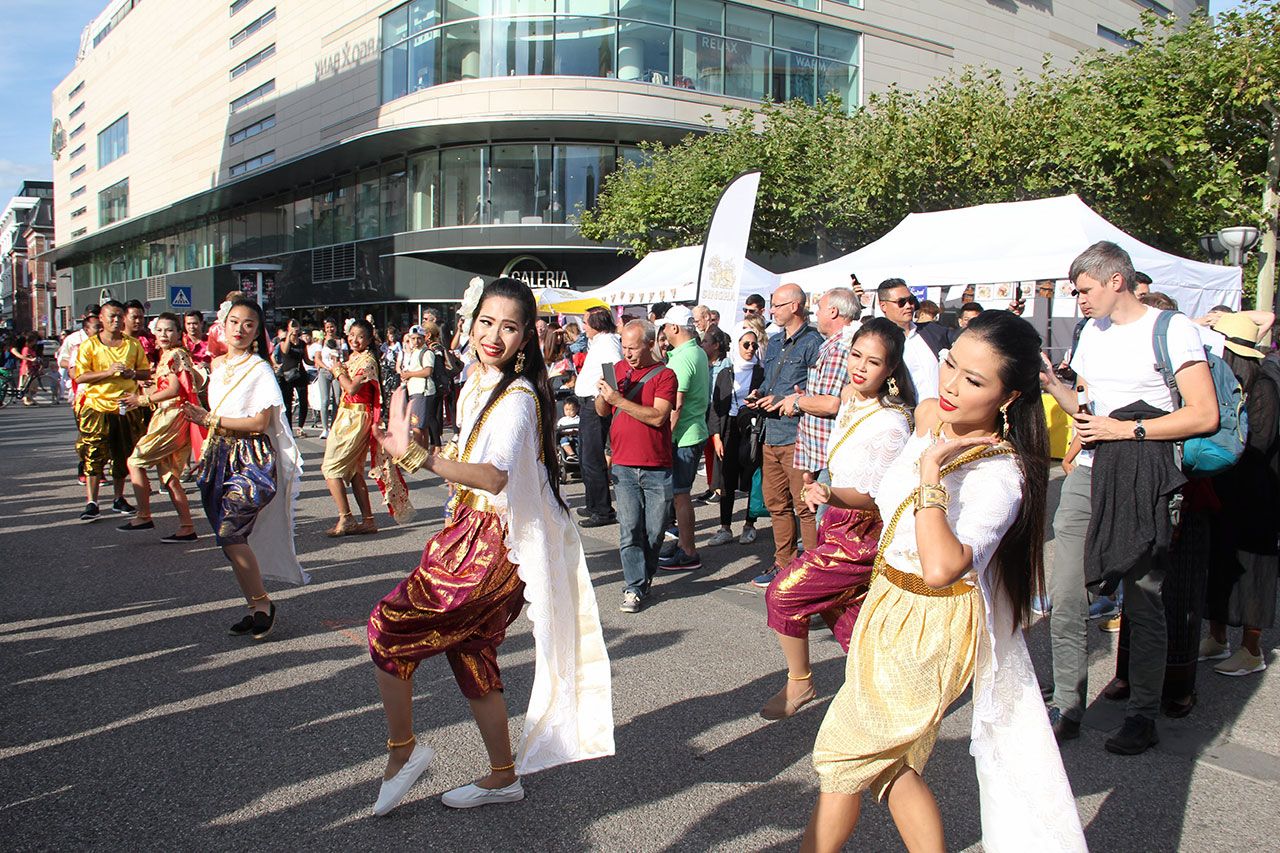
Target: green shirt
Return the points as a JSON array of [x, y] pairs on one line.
[[693, 379]]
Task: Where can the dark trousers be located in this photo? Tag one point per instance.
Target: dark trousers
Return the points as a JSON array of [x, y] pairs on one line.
[[288, 390], [592, 430], [432, 426]]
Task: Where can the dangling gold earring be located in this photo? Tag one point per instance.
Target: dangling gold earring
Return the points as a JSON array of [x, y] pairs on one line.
[[520, 362], [255, 346], [1004, 419], [893, 387]]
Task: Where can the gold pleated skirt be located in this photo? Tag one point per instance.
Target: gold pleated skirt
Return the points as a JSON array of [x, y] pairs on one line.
[[166, 445], [346, 450], [910, 657]]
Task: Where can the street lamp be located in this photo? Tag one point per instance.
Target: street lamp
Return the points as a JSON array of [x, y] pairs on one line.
[[1237, 241], [1212, 247]]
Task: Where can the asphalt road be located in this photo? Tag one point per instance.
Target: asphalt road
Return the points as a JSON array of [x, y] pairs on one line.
[[131, 718]]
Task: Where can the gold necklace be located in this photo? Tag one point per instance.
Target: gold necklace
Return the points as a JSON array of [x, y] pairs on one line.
[[229, 368]]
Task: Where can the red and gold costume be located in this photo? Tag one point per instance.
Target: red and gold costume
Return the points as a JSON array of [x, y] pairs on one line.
[[171, 439]]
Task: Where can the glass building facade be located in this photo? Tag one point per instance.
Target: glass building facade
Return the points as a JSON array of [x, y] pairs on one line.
[[701, 45]]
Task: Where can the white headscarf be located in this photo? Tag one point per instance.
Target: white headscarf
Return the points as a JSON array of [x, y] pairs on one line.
[[739, 332], [743, 368]]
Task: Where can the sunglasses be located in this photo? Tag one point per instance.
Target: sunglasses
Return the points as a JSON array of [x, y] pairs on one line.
[[751, 311], [777, 305], [901, 303], [749, 345]]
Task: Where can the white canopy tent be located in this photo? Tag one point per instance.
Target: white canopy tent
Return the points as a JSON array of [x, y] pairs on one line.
[[672, 276], [1004, 244]]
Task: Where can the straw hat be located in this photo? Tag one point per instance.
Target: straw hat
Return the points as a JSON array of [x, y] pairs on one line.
[[1241, 334]]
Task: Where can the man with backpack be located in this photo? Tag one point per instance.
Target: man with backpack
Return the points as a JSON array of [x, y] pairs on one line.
[[1119, 370]]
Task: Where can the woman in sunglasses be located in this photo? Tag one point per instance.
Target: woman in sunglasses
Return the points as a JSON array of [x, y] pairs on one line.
[[733, 427]]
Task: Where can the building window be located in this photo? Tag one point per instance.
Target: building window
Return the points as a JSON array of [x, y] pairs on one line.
[[119, 16], [77, 172], [113, 143], [79, 108], [77, 192], [705, 45], [77, 151], [80, 211], [79, 87], [113, 203], [253, 27], [253, 95], [1116, 38], [253, 130], [1159, 8], [254, 61], [265, 159], [79, 232], [79, 130], [238, 5]]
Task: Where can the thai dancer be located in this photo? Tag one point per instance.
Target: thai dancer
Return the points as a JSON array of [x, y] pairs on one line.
[[251, 471], [871, 428], [508, 538], [171, 438], [960, 558]]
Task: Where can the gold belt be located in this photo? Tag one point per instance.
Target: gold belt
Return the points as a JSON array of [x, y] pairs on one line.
[[478, 502], [223, 432], [358, 407], [915, 584]]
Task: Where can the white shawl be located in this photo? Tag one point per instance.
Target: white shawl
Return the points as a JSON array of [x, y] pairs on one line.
[[570, 715], [272, 536]]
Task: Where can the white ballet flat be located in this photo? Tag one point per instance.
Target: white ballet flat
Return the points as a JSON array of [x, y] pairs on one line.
[[471, 796], [394, 789]]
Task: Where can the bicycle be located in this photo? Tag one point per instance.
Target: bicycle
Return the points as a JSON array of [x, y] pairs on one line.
[[8, 386]]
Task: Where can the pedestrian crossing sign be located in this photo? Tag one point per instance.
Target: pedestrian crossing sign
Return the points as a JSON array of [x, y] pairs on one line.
[[180, 297]]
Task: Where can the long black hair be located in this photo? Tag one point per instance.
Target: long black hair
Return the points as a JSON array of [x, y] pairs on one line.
[[262, 346], [895, 346], [368, 330], [533, 368], [1019, 559]]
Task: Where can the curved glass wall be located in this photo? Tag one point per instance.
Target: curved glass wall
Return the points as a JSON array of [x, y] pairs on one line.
[[704, 45], [515, 183]]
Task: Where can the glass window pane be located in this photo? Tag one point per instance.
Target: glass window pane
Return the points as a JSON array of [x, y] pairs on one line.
[[697, 61], [460, 52], [520, 184], [460, 10], [237, 225], [702, 15], [424, 174], [579, 170], [748, 24], [344, 210], [322, 217], [422, 59], [395, 26], [644, 53], [423, 14], [839, 78], [795, 34], [395, 72], [462, 186], [657, 11], [394, 189], [520, 46], [793, 76], [302, 223], [746, 70], [584, 47], [840, 45], [368, 202], [284, 225], [522, 7]]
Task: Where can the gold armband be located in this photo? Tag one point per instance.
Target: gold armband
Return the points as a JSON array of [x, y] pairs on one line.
[[414, 458], [450, 450], [932, 495]]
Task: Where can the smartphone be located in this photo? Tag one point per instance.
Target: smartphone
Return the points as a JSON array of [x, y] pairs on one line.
[[611, 376], [1017, 292]]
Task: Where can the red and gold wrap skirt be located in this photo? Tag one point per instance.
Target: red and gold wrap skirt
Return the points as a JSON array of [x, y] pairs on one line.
[[459, 601]]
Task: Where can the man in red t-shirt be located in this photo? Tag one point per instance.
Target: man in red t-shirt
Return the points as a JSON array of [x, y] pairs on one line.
[[641, 441]]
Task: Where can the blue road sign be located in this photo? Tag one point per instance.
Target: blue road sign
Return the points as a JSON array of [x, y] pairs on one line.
[[180, 297]]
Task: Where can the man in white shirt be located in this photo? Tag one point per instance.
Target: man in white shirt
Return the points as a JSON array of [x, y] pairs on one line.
[[604, 347], [1115, 361], [898, 304], [66, 356]]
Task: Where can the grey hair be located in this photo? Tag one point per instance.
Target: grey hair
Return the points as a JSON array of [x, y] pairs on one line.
[[1101, 261], [650, 331], [847, 305]]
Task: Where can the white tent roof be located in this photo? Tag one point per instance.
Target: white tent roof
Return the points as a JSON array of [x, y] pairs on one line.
[[1016, 241], [672, 276]]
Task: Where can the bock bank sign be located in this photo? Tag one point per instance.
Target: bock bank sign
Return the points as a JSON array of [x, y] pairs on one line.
[[349, 54]]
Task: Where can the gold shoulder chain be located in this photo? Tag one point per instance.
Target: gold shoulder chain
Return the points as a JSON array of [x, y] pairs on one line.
[[474, 435]]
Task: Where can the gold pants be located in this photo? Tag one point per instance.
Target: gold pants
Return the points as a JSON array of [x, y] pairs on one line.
[[346, 450], [167, 444]]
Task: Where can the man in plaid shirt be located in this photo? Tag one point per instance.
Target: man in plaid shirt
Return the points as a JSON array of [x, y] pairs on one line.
[[837, 315]]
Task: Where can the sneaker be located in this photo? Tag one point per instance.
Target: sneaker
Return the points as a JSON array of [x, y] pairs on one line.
[[1111, 625], [1064, 728], [668, 549], [1211, 649], [324, 433], [765, 579], [1241, 662], [680, 562], [471, 796], [173, 538], [672, 534], [1104, 608], [1136, 736], [748, 536], [90, 512], [584, 512], [122, 506], [594, 520], [630, 601], [263, 622], [242, 627], [723, 537], [1041, 606]]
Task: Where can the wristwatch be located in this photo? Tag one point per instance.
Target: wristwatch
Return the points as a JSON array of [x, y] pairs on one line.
[[795, 408], [1139, 431]]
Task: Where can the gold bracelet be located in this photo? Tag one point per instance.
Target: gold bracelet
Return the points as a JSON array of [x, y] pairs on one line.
[[503, 768], [932, 495], [826, 492], [409, 741]]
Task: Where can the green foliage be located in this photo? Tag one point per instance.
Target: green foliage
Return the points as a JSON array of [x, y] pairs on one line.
[[1168, 140]]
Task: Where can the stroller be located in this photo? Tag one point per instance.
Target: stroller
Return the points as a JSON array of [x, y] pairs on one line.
[[570, 465]]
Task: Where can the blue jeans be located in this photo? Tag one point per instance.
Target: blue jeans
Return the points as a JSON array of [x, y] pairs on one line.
[[330, 390], [824, 477], [641, 498]]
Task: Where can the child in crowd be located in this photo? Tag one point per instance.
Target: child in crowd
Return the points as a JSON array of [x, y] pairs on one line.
[[569, 443]]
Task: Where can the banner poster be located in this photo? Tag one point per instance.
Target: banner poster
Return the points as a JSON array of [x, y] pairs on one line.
[[724, 251]]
